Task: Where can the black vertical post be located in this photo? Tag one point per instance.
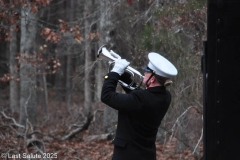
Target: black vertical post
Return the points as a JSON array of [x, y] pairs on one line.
[[221, 73]]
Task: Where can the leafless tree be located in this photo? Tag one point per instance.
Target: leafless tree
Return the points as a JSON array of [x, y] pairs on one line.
[[27, 69]]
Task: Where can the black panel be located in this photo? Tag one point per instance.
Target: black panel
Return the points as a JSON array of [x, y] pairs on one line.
[[221, 70]]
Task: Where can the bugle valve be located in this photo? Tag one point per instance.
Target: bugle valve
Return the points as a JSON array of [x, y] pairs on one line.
[[136, 76]]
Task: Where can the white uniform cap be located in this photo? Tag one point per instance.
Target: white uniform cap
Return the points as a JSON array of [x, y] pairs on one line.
[[161, 66]]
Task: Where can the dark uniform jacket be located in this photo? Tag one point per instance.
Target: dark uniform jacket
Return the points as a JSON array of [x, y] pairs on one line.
[[139, 115]]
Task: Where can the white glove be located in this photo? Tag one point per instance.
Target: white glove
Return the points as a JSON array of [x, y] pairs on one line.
[[120, 65]]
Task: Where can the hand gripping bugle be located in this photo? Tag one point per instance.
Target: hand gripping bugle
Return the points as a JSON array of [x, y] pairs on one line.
[[136, 76]]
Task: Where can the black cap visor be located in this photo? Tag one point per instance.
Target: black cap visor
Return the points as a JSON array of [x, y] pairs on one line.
[[147, 69]]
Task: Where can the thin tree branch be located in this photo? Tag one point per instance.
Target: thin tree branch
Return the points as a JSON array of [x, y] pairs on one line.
[[177, 120], [200, 139], [14, 121]]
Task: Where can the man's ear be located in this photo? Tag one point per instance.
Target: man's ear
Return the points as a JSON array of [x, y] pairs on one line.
[[153, 79]]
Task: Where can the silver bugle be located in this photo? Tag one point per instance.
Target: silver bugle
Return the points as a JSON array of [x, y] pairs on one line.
[[137, 77]]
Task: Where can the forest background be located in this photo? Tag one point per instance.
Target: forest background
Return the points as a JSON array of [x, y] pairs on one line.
[[51, 78]]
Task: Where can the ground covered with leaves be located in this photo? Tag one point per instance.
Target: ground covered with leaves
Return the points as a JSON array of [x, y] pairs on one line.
[[46, 142]]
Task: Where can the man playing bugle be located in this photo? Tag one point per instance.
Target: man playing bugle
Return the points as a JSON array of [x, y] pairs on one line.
[[140, 112]]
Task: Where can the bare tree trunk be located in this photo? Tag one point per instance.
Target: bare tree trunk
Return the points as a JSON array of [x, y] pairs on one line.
[[87, 92], [60, 77], [14, 84], [69, 79], [42, 91], [99, 69], [28, 108], [69, 65], [99, 81], [105, 28]]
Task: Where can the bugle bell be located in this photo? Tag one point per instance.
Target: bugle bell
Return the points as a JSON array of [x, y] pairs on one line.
[[136, 76]]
